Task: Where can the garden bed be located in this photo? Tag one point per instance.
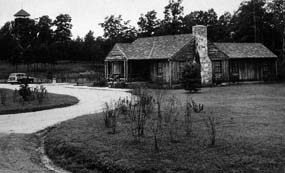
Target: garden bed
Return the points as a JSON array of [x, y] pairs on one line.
[[52, 101], [250, 137]]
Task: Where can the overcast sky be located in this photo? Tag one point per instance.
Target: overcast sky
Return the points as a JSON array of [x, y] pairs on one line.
[[87, 14]]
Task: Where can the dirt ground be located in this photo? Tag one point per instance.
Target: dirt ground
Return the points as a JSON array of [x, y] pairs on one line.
[[19, 154]]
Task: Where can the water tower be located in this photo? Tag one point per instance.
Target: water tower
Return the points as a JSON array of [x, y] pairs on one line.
[[22, 14]]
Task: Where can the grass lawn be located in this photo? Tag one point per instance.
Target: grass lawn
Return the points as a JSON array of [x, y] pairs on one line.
[[250, 137], [52, 101]]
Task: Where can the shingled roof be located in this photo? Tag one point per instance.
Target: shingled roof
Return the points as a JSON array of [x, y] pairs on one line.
[[119, 51], [245, 50], [159, 47], [22, 13]]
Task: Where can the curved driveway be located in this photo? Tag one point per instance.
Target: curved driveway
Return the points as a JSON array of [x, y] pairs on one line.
[[91, 101]]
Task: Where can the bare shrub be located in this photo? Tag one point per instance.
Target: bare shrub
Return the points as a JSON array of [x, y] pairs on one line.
[[188, 119], [122, 105], [157, 118], [197, 107], [139, 109], [171, 115], [110, 116], [210, 123], [40, 94], [15, 95], [190, 105], [156, 131], [159, 96], [3, 96]]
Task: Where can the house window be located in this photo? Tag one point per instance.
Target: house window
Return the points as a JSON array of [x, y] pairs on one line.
[[159, 69], [234, 67], [180, 69], [217, 66], [265, 67]]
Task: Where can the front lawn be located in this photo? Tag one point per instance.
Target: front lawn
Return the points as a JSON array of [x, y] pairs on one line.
[[14, 104], [250, 136]]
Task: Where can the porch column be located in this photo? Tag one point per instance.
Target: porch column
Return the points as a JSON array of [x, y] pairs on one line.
[[126, 70], [276, 69], [170, 72], [106, 69]]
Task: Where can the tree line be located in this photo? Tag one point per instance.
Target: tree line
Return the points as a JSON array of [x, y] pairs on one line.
[[45, 40]]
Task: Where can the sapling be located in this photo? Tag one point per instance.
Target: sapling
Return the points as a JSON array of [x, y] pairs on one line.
[[210, 122]]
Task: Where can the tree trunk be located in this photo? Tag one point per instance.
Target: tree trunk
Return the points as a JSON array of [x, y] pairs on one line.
[[283, 45], [283, 34]]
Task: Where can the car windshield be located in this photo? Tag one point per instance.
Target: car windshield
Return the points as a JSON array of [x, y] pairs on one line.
[[21, 75]]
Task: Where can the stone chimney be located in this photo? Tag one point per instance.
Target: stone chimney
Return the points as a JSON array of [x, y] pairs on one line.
[[200, 33]]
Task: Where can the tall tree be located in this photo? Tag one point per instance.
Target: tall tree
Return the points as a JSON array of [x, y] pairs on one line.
[[222, 30], [89, 38], [208, 18], [249, 21], [89, 46], [9, 46], [62, 36], [118, 30], [148, 23], [45, 33], [173, 16], [277, 9], [63, 28], [25, 32]]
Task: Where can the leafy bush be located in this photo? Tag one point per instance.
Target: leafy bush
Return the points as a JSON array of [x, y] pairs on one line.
[[100, 83], [191, 77], [3, 96], [118, 84], [25, 92]]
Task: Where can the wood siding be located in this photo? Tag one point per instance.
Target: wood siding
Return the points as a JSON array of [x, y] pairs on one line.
[[177, 70], [221, 75], [251, 70], [243, 70], [161, 70]]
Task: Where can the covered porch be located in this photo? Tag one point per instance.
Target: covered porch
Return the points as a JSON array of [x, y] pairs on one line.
[[128, 70], [138, 70]]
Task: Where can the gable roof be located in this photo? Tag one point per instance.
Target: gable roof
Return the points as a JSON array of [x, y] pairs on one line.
[[22, 13], [215, 53], [159, 47], [119, 51], [245, 50]]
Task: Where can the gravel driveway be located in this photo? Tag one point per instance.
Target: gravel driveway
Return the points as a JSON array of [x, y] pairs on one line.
[[91, 101], [19, 151]]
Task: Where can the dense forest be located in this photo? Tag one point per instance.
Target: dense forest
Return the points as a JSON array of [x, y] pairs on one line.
[[45, 40]]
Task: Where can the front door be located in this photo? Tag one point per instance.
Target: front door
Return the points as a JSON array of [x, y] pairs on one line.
[[118, 68]]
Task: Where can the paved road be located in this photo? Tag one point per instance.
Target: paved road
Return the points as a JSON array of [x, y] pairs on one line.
[[91, 101]]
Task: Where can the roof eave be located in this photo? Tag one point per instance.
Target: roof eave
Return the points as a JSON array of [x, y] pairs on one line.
[[253, 57]]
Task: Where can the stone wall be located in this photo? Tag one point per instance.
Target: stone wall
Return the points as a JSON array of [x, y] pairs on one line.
[[200, 33]]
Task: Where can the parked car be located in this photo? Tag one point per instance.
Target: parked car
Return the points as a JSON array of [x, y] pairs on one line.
[[17, 78]]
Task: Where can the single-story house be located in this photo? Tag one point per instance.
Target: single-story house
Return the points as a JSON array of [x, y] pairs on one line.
[[162, 59]]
